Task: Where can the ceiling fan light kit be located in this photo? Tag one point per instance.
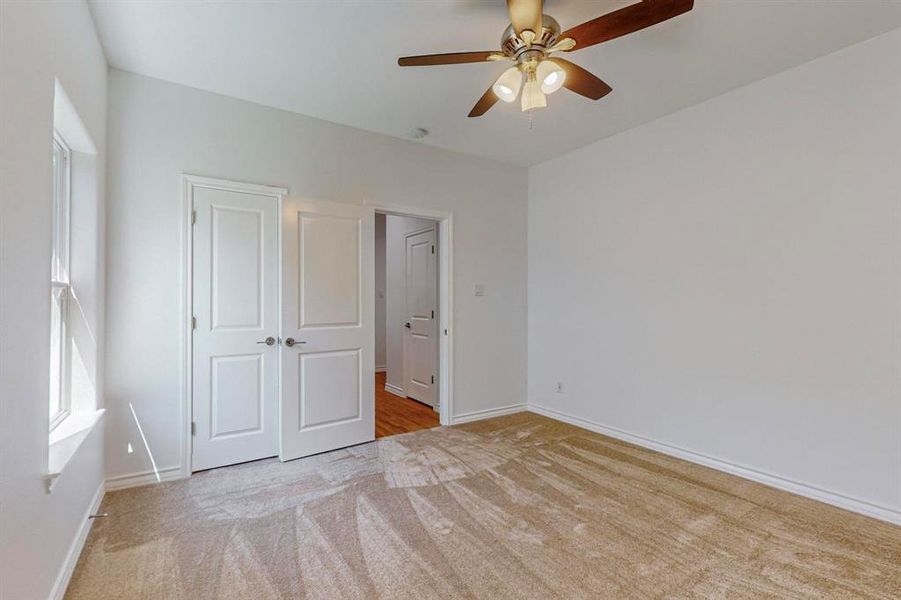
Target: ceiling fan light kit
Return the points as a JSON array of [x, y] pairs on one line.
[[507, 86], [550, 75], [532, 96], [531, 40]]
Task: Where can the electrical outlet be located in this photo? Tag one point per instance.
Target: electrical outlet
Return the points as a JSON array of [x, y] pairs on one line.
[[559, 387], [478, 289]]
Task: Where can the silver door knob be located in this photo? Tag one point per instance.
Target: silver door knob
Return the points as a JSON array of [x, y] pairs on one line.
[[269, 341], [290, 342]]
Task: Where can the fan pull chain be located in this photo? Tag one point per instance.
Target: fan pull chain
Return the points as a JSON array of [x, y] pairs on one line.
[[530, 119]]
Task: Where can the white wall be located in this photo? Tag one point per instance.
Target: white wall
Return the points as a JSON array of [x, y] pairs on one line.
[[159, 130], [396, 230], [381, 351], [726, 279], [41, 41]]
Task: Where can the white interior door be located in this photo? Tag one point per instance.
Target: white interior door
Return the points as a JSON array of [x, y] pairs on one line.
[[420, 344], [327, 399], [235, 304]]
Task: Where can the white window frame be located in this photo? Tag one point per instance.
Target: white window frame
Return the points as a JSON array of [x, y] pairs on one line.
[[59, 280]]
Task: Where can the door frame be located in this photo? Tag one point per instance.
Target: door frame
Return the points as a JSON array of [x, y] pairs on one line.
[[189, 184], [445, 230]]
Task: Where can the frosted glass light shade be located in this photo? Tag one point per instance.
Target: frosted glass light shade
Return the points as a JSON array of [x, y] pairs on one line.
[[532, 96], [551, 76], [507, 85]]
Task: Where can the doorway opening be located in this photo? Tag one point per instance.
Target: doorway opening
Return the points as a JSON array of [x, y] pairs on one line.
[[407, 320]]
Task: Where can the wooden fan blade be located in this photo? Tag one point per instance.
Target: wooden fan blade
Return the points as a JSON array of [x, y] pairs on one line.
[[487, 100], [625, 21], [580, 81], [525, 15], [453, 58]]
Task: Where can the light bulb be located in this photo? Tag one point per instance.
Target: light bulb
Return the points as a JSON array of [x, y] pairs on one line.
[[507, 85], [551, 76], [532, 96]]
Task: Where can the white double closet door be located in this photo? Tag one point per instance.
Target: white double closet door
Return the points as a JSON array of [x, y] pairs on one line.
[[304, 283]]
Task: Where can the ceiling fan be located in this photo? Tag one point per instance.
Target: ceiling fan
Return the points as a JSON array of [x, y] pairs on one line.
[[531, 40]]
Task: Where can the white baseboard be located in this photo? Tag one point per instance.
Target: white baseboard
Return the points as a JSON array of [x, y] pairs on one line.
[[380, 369], [393, 389], [121, 482], [478, 415], [65, 574], [883, 513]]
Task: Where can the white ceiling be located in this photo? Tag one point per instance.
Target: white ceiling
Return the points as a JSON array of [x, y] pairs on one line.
[[337, 60]]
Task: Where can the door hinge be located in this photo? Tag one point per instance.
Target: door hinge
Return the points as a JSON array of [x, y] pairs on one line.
[[433, 249], [433, 314], [433, 379], [193, 322], [193, 217], [193, 428]]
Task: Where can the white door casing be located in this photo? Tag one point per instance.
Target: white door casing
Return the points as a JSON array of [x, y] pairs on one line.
[[421, 333], [235, 304], [327, 399]]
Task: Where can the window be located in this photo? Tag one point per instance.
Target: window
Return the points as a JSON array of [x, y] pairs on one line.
[[59, 283]]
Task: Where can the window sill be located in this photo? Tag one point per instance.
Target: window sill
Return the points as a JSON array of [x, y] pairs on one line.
[[65, 440]]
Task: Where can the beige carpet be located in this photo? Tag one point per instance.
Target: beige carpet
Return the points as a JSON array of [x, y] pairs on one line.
[[515, 507]]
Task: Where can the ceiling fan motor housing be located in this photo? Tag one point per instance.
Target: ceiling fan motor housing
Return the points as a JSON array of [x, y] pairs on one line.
[[517, 49]]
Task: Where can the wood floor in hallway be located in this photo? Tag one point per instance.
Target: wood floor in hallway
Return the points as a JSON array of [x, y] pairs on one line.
[[394, 414]]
